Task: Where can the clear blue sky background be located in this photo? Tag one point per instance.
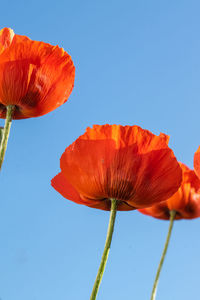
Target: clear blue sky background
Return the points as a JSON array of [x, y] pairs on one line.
[[137, 62]]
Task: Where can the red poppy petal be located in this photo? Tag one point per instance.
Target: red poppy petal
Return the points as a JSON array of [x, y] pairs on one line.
[[180, 199], [165, 137], [186, 201], [192, 209], [14, 79], [158, 177], [189, 176], [6, 37], [158, 211], [61, 185], [85, 164], [197, 162]]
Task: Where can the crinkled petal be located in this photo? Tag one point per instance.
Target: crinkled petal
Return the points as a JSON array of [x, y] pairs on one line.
[[6, 37], [127, 135]]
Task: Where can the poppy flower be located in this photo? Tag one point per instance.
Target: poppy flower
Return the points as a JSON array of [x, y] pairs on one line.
[[114, 167], [185, 202], [126, 163], [35, 77], [197, 162]]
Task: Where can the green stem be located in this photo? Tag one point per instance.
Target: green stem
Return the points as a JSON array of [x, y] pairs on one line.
[[172, 216], [1, 134], [104, 258], [6, 131]]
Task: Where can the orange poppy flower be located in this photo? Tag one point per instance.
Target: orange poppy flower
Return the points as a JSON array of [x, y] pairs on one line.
[[186, 201], [36, 77], [127, 163], [197, 162]]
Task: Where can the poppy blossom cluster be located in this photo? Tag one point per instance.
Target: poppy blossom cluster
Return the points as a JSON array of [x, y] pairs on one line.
[[109, 167], [35, 77], [126, 163]]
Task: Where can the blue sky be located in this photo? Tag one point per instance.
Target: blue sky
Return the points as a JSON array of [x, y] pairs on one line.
[[137, 62]]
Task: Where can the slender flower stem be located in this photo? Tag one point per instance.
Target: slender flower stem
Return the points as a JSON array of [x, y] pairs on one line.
[[1, 134], [172, 216], [104, 258], [6, 131]]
